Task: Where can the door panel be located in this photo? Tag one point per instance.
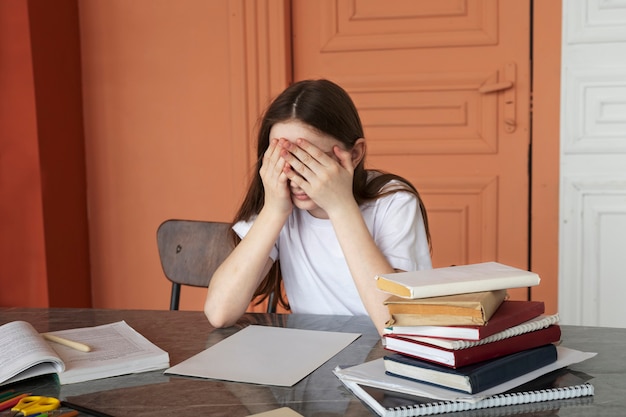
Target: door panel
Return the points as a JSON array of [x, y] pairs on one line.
[[442, 89]]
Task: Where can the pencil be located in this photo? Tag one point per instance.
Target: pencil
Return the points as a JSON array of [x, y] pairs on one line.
[[66, 342], [11, 401], [69, 414], [5, 395], [55, 413]]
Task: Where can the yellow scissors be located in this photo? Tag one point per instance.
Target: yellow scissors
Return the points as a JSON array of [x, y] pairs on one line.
[[34, 404]]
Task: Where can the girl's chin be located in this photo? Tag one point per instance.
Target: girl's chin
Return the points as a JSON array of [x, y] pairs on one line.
[[310, 206]]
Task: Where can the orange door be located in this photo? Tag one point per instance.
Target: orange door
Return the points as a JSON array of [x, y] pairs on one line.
[[443, 92]]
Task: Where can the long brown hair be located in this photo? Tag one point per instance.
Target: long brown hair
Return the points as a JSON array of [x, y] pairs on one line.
[[329, 109]]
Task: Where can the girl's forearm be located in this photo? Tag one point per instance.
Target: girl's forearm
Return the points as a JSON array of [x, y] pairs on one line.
[[234, 282], [365, 261]]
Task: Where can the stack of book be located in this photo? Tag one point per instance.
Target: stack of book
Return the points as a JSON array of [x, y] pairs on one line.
[[456, 343], [453, 326]]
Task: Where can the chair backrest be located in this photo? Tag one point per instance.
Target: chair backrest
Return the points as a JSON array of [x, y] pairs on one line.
[[191, 251]]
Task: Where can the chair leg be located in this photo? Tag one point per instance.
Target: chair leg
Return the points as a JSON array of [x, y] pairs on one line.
[[270, 303], [175, 298]]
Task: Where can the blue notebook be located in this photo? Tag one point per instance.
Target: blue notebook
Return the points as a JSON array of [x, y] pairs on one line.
[[472, 378]]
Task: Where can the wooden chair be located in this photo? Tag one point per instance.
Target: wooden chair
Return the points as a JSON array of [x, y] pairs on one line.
[[191, 251]]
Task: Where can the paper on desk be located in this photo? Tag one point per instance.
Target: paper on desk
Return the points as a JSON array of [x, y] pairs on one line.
[[373, 374], [265, 355], [279, 412]]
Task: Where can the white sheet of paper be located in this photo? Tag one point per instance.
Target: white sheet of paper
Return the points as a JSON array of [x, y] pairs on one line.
[[279, 412], [265, 355]]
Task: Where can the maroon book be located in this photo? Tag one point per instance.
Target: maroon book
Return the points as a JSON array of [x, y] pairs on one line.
[[455, 358]]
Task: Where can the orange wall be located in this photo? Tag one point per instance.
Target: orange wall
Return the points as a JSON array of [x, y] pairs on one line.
[[158, 136], [170, 91], [22, 251], [44, 244]]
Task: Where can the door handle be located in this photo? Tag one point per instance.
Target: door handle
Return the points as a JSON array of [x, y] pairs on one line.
[[494, 88], [507, 86]]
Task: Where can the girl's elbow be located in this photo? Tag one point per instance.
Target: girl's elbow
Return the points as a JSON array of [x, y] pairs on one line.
[[217, 317]]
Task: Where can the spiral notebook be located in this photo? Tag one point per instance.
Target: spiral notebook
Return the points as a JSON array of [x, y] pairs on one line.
[[561, 388]]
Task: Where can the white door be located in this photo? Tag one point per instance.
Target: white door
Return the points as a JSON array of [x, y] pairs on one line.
[[592, 268]]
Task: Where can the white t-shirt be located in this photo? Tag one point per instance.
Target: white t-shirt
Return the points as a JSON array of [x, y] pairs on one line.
[[315, 273]]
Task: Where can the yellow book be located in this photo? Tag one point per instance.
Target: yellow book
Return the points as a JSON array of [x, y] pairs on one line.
[[452, 310]]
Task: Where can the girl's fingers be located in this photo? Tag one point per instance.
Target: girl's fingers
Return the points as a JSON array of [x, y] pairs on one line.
[[290, 174], [344, 157], [307, 152], [272, 151], [272, 160], [274, 179], [293, 166], [304, 157]]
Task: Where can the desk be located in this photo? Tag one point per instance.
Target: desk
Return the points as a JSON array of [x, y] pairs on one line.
[[183, 334]]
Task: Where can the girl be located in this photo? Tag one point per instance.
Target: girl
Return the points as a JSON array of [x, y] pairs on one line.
[[313, 206]]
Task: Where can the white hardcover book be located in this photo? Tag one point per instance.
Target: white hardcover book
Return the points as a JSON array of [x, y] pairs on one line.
[[486, 276]]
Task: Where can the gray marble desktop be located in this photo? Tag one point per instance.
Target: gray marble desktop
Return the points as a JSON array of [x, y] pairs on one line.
[[321, 394]]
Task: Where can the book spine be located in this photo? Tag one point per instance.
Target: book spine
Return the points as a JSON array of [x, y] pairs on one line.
[[401, 319], [479, 305], [439, 310], [511, 366]]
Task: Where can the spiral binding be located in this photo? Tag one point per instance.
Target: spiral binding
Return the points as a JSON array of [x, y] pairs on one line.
[[538, 323], [500, 400]]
